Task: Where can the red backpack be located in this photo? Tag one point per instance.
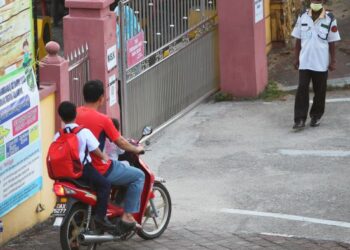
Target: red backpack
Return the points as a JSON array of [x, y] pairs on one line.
[[63, 159]]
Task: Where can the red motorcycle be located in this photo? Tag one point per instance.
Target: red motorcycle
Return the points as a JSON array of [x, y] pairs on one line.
[[76, 201]]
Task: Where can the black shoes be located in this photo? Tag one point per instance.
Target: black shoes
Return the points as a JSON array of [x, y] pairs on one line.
[[125, 227], [120, 228], [104, 224], [299, 125], [315, 122]]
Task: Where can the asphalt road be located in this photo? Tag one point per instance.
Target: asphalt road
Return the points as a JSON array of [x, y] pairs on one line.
[[245, 156], [240, 178]]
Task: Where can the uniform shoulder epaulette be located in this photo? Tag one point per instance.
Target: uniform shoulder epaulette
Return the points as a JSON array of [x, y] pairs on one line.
[[302, 12], [331, 15]]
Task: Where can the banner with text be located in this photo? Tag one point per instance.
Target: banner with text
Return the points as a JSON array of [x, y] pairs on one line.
[[20, 146]]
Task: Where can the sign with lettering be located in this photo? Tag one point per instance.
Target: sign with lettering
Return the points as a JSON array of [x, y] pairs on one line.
[[112, 84], [20, 146], [136, 49], [111, 57]]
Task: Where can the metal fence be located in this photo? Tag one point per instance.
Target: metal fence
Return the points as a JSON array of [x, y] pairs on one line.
[[179, 62], [162, 20], [78, 73]]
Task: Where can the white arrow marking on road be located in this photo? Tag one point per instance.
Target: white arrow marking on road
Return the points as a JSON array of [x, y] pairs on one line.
[[336, 100], [287, 217], [279, 235], [322, 153]]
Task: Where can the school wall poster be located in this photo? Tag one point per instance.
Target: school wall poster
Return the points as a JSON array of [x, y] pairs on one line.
[[20, 143], [16, 35]]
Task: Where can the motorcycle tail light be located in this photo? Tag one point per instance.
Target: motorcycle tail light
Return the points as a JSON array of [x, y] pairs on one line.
[[58, 189]]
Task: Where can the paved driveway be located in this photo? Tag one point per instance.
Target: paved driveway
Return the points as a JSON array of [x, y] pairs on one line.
[[240, 178]]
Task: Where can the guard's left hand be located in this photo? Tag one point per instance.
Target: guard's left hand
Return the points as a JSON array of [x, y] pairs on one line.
[[332, 66]]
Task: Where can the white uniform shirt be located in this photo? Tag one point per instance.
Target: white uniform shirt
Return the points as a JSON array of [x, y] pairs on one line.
[[85, 138], [113, 152], [315, 36]]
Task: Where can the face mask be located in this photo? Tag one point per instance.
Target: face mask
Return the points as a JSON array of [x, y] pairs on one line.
[[316, 6]]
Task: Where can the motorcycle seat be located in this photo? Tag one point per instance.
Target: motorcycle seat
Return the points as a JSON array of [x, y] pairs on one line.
[[78, 183]]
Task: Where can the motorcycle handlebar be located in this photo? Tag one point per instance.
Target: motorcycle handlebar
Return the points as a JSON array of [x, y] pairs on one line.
[[136, 143]]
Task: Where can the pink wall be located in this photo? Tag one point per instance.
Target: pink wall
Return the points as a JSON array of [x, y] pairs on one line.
[[243, 62], [91, 22], [54, 69]]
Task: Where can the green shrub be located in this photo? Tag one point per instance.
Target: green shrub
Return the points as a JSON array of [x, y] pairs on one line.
[[272, 92]]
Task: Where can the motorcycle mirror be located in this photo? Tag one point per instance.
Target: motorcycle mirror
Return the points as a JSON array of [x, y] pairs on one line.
[[147, 131]]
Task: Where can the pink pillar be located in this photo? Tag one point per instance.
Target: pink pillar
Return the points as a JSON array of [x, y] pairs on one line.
[[243, 62], [54, 69], [91, 22]]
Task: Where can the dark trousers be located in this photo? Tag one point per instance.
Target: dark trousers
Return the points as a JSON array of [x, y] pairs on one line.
[[319, 84], [102, 186]]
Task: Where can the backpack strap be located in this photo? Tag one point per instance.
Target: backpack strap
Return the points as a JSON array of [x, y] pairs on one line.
[[76, 130], [66, 130], [85, 156], [61, 131]]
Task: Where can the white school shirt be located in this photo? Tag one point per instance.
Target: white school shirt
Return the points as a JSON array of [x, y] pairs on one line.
[[112, 150], [85, 138], [314, 54]]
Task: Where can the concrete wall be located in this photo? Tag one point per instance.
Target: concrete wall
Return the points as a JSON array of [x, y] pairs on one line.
[[25, 216], [243, 61]]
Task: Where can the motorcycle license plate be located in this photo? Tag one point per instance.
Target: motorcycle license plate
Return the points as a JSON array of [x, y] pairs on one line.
[[60, 209], [59, 212]]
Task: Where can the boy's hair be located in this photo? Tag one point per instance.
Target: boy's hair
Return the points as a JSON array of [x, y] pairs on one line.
[[115, 123], [67, 111], [93, 90]]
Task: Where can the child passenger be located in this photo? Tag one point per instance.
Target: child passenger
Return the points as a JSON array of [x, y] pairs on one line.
[[87, 142], [112, 150]]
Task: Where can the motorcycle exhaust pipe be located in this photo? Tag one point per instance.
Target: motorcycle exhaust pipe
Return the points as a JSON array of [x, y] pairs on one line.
[[94, 238]]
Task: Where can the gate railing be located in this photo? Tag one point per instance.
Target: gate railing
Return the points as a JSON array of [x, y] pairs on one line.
[[157, 39], [163, 26], [162, 20], [78, 73]]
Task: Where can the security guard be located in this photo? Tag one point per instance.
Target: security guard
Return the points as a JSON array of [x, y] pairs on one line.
[[316, 32]]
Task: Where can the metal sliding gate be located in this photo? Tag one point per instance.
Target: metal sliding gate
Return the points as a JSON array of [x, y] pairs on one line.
[[168, 59], [78, 73]]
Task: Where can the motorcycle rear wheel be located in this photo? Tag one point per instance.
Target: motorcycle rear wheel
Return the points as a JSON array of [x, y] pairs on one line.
[[74, 224], [159, 224]]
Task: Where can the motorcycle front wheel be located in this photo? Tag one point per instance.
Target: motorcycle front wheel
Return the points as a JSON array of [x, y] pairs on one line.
[[73, 226], [154, 223]]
